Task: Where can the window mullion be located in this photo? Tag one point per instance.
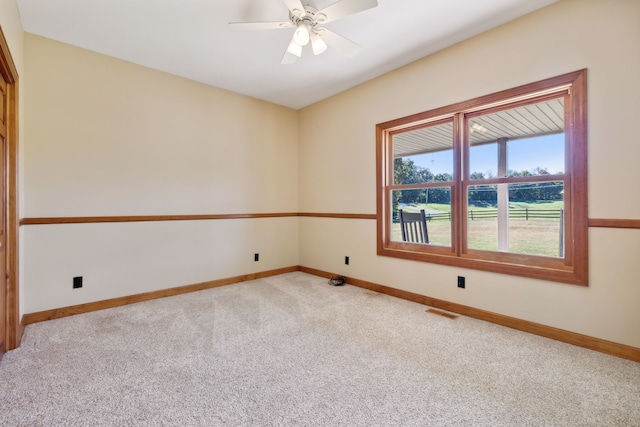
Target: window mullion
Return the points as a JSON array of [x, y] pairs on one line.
[[503, 198], [460, 171]]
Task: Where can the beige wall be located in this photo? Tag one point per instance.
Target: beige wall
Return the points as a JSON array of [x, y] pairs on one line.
[[107, 137], [337, 164]]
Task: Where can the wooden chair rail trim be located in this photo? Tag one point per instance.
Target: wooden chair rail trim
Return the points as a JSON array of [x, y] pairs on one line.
[[614, 223], [142, 218], [57, 313], [585, 341], [337, 215], [593, 222]]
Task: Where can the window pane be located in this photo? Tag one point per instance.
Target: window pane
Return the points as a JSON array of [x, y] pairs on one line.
[[541, 155], [483, 161], [436, 203], [523, 218], [482, 221], [523, 141], [423, 155]]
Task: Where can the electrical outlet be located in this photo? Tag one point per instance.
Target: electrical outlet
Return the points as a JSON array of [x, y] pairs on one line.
[[256, 257], [77, 282], [346, 260], [461, 283]]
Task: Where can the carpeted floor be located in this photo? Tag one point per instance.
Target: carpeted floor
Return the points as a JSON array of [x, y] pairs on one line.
[[292, 350]]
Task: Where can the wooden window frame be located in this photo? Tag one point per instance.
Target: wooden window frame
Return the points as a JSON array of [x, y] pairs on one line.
[[573, 267]]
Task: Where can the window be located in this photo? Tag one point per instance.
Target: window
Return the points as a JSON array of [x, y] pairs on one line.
[[500, 182]]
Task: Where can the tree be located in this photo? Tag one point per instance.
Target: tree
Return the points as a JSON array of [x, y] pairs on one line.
[[407, 172]]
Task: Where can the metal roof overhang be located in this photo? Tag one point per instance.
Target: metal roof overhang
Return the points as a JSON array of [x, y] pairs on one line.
[[543, 118]]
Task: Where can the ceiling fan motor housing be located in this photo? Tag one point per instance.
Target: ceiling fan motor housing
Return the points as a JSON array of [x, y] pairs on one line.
[[309, 16]]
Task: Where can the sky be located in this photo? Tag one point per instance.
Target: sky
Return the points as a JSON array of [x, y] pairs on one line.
[[523, 154]]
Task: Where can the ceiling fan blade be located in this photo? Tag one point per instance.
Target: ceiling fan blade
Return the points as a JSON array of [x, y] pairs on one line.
[[288, 58], [248, 26], [293, 52], [294, 5], [342, 8], [340, 43]]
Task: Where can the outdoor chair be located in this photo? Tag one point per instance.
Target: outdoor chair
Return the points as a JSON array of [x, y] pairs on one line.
[[414, 227]]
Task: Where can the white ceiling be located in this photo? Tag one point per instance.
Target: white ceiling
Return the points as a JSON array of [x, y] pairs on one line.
[[190, 38]]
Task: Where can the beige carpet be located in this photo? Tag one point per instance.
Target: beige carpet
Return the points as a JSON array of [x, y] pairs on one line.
[[292, 350]]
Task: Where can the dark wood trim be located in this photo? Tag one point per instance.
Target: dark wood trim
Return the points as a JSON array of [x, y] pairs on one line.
[[572, 268], [15, 327], [57, 313], [10, 74], [593, 222], [142, 218], [597, 344], [614, 223], [7, 66], [337, 215], [577, 227]]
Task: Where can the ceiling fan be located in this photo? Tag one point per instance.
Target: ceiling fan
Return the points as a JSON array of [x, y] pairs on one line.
[[307, 21]]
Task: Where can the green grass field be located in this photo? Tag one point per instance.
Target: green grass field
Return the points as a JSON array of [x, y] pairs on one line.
[[537, 236]]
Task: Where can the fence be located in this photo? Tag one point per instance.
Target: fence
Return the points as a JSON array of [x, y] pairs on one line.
[[526, 214]]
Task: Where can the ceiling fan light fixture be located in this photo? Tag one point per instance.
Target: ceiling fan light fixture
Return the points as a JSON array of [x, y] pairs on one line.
[[306, 21], [317, 44], [302, 36], [294, 48]]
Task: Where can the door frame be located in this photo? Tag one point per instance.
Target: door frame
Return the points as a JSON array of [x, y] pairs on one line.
[[13, 324]]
